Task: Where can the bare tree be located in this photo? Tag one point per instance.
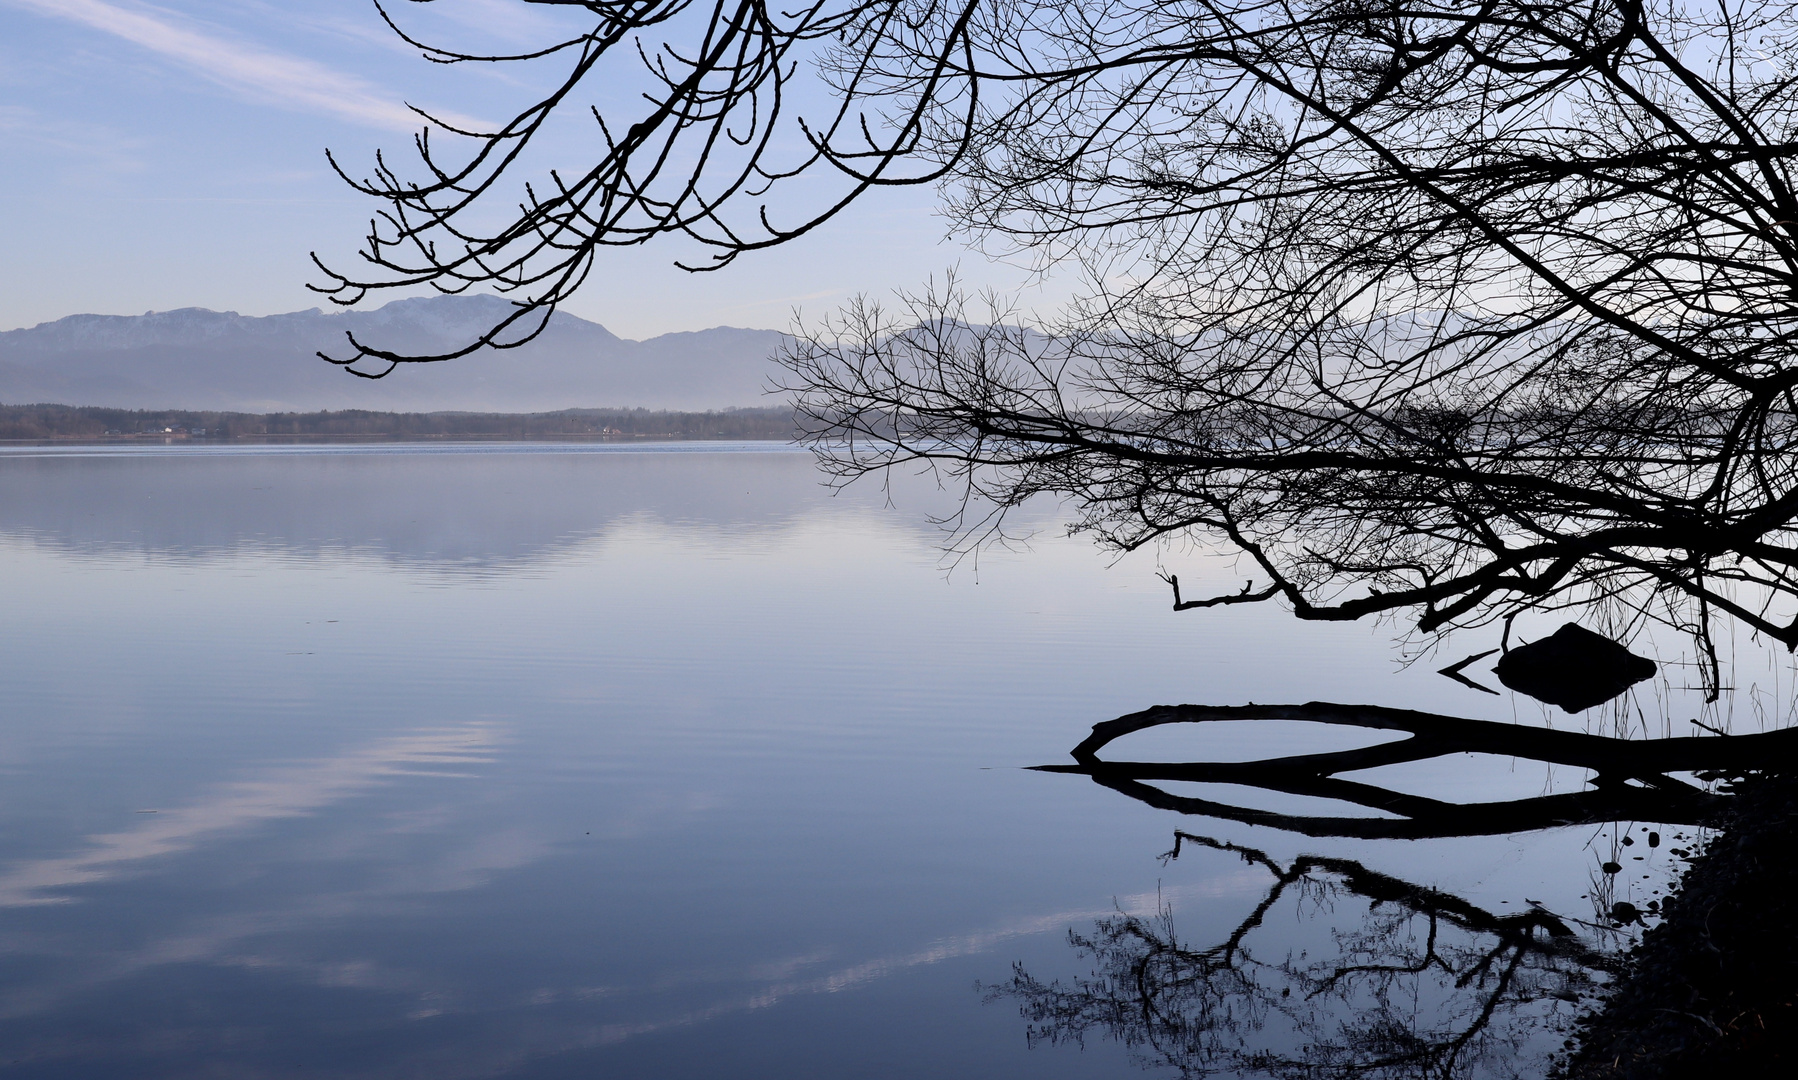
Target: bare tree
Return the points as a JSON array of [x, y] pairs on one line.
[[713, 136], [1446, 308]]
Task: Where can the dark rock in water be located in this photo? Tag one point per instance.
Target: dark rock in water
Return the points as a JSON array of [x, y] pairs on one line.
[[1573, 668]]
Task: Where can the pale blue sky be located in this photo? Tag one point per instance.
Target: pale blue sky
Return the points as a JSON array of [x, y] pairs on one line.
[[172, 155]]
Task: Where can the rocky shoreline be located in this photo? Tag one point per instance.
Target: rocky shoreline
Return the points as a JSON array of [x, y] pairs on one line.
[[1712, 989]]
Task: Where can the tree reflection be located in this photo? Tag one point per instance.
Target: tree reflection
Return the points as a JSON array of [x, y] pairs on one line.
[[1425, 985]]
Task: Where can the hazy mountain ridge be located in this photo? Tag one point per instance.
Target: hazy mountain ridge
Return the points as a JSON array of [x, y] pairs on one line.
[[195, 358]]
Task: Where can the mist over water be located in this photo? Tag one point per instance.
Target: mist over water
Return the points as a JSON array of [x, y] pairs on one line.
[[443, 506], [551, 760]]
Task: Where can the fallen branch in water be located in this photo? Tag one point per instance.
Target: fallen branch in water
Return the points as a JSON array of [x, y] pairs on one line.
[[1631, 781]]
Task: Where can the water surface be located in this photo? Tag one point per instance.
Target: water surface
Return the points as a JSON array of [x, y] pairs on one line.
[[540, 760]]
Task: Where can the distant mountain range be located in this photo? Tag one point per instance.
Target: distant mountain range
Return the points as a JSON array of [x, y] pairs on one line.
[[193, 358]]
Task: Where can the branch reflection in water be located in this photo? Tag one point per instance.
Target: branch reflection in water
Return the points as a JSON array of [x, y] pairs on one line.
[[1427, 985], [1382, 977]]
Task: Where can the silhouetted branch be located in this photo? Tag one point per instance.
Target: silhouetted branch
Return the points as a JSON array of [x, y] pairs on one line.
[[699, 151], [1457, 672], [1631, 781], [1243, 597], [1369, 311], [1361, 302]]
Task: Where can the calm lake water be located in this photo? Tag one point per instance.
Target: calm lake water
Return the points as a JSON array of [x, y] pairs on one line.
[[554, 761]]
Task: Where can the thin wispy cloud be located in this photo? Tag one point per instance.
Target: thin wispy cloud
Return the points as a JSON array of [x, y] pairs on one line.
[[1239, 883], [113, 149], [244, 67], [294, 792]]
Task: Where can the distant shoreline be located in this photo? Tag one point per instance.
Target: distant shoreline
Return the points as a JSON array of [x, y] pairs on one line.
[[277, 440], [51, 424]]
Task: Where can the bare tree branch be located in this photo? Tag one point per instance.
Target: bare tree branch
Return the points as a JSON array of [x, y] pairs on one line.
[[1429, 307], [1631, 779]]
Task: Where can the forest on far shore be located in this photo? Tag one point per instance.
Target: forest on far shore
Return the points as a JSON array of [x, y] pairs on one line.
[[36, 422]]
